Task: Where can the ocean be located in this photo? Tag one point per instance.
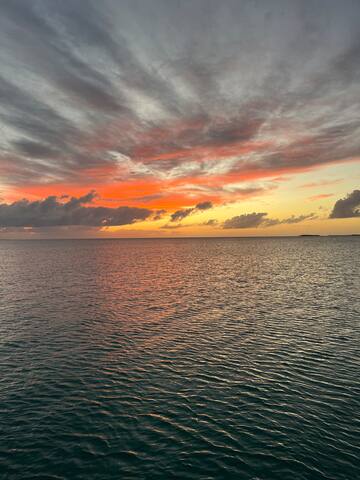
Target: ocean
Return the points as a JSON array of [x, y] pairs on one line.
[[180, 359]]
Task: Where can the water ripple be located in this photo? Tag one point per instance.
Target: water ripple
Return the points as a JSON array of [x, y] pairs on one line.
[[189, 359]]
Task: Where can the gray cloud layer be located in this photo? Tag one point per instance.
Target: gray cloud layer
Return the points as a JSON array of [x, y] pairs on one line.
[[53, 211], [347, 207], [254, 220], [164, 83]]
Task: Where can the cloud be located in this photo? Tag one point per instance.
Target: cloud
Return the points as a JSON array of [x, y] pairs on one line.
[[247, 220], [181, 214], [296, 219], [320, 196], [204, 206], [52, 212], [171, 226], [50, 53], [254, 220], [158, 214], [347, 207], [185, 212], [211, 223], [321, 183], [80, 80]]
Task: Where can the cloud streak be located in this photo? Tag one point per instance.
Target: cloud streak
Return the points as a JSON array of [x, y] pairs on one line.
[[261, 219], [183, 213]]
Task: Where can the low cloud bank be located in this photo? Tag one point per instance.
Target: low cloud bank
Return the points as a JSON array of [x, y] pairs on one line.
[[57, 211]]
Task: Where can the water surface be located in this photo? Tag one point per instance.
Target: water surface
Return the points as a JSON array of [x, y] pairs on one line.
[[189, 359]]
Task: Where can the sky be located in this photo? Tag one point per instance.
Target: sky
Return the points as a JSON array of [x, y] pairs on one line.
[[163, 118]]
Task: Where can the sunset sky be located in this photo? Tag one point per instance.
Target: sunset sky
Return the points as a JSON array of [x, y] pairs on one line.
[[179, 118]]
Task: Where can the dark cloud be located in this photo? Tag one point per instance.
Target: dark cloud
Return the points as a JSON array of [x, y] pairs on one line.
[[347, 207], [298, 219], [51, 212], [247, 220], [185, 212], [181, 214], [204, 206], [158, 214], [235, 130], [254, 220], [83, 200]]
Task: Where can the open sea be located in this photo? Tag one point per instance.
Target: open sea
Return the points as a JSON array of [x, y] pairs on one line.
[[180, 359]]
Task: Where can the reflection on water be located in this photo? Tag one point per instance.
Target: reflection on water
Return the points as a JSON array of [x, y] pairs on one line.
[[218, 358]]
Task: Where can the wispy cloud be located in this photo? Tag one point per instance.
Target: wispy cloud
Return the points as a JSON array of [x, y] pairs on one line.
[[321, 183], [199, 110], [181, 214], [254, 220], [320, 196]]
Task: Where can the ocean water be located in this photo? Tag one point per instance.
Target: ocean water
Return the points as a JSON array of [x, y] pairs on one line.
[[182, 358]]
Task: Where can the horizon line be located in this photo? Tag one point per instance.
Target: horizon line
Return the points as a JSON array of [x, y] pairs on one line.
[[185, 237]]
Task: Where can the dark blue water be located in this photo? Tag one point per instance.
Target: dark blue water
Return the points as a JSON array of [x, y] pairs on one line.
[[188, 359]]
